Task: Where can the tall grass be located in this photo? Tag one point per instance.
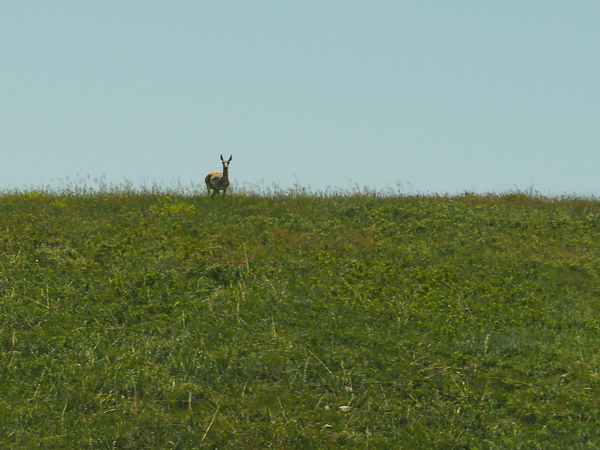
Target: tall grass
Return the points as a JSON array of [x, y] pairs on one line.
[[288, 318]]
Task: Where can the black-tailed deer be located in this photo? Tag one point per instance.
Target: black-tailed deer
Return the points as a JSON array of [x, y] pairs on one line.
[[218, 181]]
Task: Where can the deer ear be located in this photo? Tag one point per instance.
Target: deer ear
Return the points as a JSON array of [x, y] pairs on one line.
[[230, 158], [222, 158]]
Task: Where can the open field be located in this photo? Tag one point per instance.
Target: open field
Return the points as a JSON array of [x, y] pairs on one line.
[[142, 321]]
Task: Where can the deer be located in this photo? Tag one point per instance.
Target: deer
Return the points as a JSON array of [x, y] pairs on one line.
[[218, 181]]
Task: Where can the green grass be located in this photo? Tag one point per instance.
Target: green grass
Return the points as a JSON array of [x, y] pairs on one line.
[[148, 320]]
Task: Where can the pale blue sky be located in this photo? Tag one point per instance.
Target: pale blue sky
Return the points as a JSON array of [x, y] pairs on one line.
[[440, 96]]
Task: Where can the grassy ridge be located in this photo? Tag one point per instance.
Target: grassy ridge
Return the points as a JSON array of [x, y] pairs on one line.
[[351, 321]]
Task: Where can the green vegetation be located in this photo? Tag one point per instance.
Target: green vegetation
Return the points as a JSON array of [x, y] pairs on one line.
[[155, 320]]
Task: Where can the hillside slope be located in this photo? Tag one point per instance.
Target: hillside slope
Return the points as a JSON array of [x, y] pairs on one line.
[[144, 321]]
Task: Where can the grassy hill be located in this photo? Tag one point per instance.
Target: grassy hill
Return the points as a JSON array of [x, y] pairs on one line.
[[298, 321]]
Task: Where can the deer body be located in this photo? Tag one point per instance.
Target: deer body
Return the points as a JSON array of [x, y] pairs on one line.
[[218, 181]]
